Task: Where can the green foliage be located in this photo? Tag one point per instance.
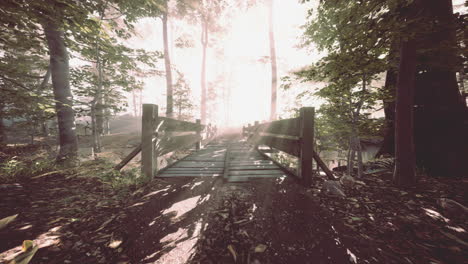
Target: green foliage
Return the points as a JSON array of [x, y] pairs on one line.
[[356, 37], [123, 180], [90, 36], [17, 169]]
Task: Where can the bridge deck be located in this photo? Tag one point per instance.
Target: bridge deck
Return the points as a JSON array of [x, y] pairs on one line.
[[236, 161]]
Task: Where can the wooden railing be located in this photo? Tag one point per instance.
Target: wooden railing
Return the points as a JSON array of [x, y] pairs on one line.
[[161, 135], [294, 136]]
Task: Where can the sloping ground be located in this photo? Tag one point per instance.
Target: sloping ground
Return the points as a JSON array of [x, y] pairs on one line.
[[383, 224], [76, 218]]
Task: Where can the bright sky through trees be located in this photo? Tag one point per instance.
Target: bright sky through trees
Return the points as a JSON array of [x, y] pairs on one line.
[[242, 66]]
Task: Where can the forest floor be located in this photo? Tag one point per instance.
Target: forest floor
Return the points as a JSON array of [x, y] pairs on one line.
[[80, 215]]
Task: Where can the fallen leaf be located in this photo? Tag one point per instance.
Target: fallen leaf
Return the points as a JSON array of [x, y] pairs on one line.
[[105, 223], [224, 215], [115, 243], [260, 248], [233, 252], [27, 245], [25, 257], [455, 238], [5, 221]]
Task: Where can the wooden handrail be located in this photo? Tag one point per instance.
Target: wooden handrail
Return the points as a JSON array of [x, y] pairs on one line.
[[294, 136], [161, 135]]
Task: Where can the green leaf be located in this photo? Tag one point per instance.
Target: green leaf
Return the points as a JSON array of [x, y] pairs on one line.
[[5, 221]]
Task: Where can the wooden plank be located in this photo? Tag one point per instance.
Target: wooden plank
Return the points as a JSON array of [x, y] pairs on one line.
[[250, 178], [198, 130], [324, 167], [306, 117], [162, 175], [290, 146], [148, 152], [253, 167], [257, 172], [128, 158], [193, 169], [184, 170], [167, 145], [287, 170], [288, 127], [200, 163], [227, 159], [263, 162], [192, 172], [169, 124]]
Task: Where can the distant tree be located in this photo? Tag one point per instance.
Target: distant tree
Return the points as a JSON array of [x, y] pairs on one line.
[[183, 99], [167, 62]]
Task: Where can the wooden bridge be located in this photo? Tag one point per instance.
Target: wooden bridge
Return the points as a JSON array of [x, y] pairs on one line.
[[236, 159]]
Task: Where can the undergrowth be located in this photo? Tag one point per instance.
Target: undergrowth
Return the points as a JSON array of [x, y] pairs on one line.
[[20, 163], [121, 181]]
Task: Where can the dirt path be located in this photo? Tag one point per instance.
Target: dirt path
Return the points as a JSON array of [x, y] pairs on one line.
[[207, 221]]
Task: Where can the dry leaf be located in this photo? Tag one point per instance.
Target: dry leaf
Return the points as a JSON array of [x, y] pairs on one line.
[[260, 248], [233, 251]]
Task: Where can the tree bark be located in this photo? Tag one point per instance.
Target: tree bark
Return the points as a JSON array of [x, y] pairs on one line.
[[274, 71], [441, 113], [388, 145], [3, 135], [43, 118], [62, 92], [404, 174], [94, 130], [204, 41], [167, 63]]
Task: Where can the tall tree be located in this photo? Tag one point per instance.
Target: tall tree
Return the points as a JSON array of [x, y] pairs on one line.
[[205, 20], [274, 70], [167, 63], [405, 158], [208, 14], [61, 83]]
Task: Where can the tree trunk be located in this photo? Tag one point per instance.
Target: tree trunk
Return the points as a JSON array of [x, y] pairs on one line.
[[167, 63], [135, 108], [140, 106], [404, 174], [359, 157], [388, 145], [43, 118], [440, 118], [99, 111], [94, 130], [62, 93], [2, 125], [351, 154], [107, 126], [274, 73], [204, 41]]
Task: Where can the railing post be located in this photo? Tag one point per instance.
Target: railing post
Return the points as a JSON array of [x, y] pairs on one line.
[[306, 134], [256, 137], [198, 143], [149, 164]]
